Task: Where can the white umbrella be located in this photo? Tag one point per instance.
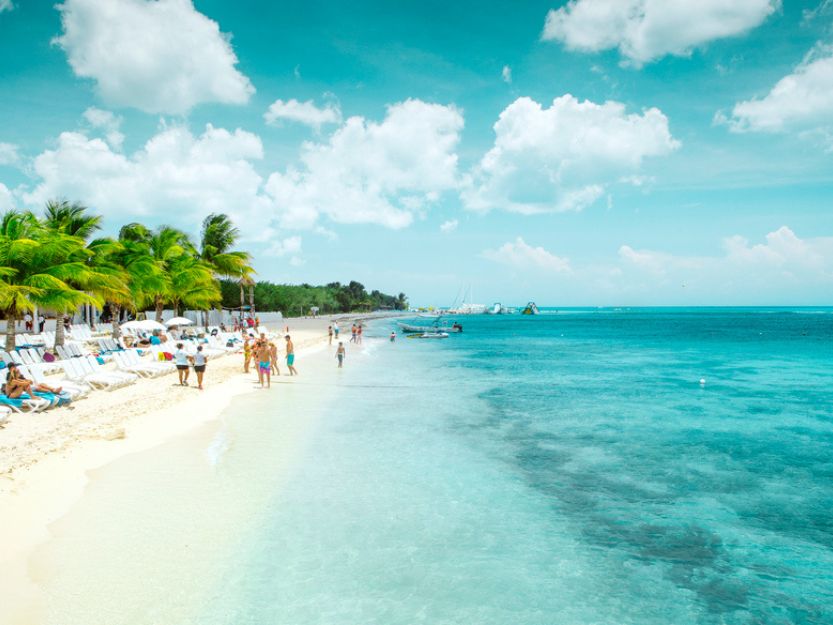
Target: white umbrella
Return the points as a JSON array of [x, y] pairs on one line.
[[145, 324], [178, 321]]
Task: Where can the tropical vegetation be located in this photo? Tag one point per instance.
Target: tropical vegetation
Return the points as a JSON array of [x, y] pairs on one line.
[[298, 299], [57, 262]]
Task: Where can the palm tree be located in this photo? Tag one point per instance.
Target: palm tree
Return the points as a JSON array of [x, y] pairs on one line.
[[217, 238], [39, 267], [101, 279]]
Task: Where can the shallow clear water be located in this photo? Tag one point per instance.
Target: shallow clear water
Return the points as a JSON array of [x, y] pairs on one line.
[[565, 468], [561, 469]]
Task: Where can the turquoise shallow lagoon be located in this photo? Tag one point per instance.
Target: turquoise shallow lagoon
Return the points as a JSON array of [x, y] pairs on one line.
[[567, 469]]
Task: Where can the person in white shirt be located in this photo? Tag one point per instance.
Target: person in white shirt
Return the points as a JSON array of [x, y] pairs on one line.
[[27, 322], [181, 361], [199, 360]]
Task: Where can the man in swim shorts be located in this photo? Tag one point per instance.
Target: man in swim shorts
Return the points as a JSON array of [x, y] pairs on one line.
[[290, 356], [263, 357]]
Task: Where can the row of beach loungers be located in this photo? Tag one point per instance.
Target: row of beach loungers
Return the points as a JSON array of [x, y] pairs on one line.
[[84, 371]]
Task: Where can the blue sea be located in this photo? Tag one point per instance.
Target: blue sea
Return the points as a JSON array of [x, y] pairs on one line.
[[583, 466]]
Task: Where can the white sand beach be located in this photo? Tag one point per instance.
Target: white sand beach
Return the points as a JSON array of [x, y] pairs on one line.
[[46, 458]]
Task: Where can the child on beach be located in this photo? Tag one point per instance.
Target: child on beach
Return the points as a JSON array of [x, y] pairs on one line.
[[330, 333], [393, 336], [340, 354], [359, 334], [290, 356], [335, 329]]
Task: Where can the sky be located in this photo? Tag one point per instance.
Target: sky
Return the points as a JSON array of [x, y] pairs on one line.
[[589, 152]]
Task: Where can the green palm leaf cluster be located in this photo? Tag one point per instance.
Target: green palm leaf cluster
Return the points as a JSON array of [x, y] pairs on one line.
[[54, 262]]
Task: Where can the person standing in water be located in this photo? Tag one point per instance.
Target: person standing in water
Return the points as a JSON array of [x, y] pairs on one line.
[[290, 356], [359, 331], [340, 354], [393, 336], [335, 329], [199, 360], [330, 333], [181, 360], [353, 332]]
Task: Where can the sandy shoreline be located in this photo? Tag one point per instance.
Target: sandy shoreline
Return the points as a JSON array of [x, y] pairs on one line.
[[45, 458]]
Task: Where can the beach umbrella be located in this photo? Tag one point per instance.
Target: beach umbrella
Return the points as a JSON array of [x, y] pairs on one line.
[[178, 321], [148, 325]]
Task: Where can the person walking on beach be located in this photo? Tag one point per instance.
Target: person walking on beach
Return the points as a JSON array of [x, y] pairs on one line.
[[263, 355], [290, 356], [330, 333], [335, 329], [340, 354], [27, 322], [353, 331], [359, 334], [273, 353], [199, 359], [41, 323], [181, 361]]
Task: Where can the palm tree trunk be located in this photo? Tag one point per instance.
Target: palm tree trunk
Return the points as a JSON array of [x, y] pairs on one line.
[[59, 330], [242, 299], [115, 315], [11, 321], [252, 300], [159, 309]]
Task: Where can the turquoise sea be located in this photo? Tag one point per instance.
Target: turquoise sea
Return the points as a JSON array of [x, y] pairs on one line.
[[567, 468], [563, 469]]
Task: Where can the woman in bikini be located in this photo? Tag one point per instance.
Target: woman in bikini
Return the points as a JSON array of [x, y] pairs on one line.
[[16, 384]]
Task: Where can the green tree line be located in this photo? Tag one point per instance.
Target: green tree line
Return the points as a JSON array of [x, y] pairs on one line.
[[298, 299], [55, 261]]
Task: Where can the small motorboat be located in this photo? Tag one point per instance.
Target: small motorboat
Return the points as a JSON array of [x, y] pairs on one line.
[[429, 335], [454, 328]]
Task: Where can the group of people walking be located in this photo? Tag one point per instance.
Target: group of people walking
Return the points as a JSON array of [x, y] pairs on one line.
[[265, 355]]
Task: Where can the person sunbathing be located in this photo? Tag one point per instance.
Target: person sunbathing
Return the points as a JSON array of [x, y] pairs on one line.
[[16, 384]]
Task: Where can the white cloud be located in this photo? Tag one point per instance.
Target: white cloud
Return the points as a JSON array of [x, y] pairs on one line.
[[449, 226], [781, 264], [6, 200], [506, 74], [8, 154], [108, 122], [161, 56], [303, 113], [563, 158], [6, 5], [519, 255], [369, 172], [176, 177], [645, 30], [801, 101], [285, 247]]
